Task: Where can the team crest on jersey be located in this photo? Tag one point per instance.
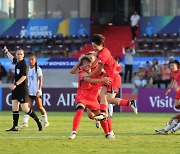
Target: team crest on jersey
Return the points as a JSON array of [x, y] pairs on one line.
[[18, 71]]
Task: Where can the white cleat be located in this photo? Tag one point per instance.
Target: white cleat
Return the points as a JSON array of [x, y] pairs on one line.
[[134, 106], [173, 131], [46, 124], [24, 125], [72, 136], [161, 131], [100, 117], [110, 136], [98, 124]]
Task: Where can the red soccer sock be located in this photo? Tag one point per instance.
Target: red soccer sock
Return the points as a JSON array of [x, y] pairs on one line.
[[104, 125], [77, 119], [124, 102], [109, 124]]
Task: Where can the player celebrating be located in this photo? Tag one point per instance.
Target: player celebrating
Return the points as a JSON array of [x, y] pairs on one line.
[[35, 79], [173, 123], [107, 62], [87, 95], [20, 89]]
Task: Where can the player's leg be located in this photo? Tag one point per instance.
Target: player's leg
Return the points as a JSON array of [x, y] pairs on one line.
[[77, 118], [172, 122], [110, 110], [31, 113], [177, 127], [43, 111], [26, 116], [15, 109]]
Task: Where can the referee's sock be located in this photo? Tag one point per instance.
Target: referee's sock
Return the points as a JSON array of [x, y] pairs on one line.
[[32, 114], [15, 118]]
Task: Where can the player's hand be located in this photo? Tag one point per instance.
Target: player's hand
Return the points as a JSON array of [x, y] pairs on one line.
[[177, 89], [107, 80], [5, 49], [167, 92], [82, 55], [12, 87]]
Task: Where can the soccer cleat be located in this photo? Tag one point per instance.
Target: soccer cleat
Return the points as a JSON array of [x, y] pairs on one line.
[[98, 125], [24, 125], [110, 136], [161, 131], [173, 131], [39, 125], [100, 117], [46, 124], [134, 106], [12, 129], [72, 136]]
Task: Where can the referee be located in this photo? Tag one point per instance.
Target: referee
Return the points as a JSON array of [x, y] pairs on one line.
[[20, 89]]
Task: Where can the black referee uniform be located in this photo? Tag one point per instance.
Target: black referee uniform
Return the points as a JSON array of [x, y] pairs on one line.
[[20, 93]]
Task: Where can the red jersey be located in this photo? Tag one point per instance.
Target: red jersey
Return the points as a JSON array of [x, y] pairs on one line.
[[110, 65], [176, 76], [86, 90]]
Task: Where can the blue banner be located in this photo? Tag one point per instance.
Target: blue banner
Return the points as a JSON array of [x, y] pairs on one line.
[[67, 63], [159, 25], [44, 27], [0, 99]]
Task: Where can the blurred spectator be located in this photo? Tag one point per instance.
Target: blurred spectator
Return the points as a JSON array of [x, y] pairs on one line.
[[139, 78], [165, 76], [171, 59], [10, 74], [153, 77], [165, 61], [134, 25], [3, 72], [128, 58], [148, 69]]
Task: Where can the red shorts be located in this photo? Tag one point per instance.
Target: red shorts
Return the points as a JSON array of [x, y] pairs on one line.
[[115, 84], [178, 95], [92, 105]]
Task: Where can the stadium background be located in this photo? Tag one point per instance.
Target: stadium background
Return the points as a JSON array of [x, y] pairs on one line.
[[50, 19]]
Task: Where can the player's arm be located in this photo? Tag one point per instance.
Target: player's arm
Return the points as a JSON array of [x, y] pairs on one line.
[[99, 69], [18, 82], [171, 86], [90, 80], [75, 68], [9, 55]]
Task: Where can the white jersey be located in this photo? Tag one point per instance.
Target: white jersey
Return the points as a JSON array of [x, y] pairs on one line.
[[33, 82], [134, 20]]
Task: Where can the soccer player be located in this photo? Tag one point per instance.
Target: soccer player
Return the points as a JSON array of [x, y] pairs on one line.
[[174, 123], [20, 89], [35, 80], [87, 94], [112, 69]]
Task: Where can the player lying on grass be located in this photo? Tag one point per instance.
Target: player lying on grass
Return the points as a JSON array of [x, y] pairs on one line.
[[174, 123], [86, 96]]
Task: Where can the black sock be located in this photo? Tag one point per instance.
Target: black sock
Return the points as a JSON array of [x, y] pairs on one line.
[[15, 118], [32, 114]]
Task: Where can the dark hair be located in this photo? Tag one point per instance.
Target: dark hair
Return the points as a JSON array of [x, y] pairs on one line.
[[175, 62], [35, 62], [98, 39], [84, 59]]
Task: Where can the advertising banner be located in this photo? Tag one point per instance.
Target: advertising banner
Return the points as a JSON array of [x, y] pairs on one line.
[[155, 100], [54, 99], [45, 27], [64, 63], [159, 25]]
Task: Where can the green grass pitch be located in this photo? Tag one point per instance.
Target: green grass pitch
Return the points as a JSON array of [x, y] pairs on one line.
[[134, 134]]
